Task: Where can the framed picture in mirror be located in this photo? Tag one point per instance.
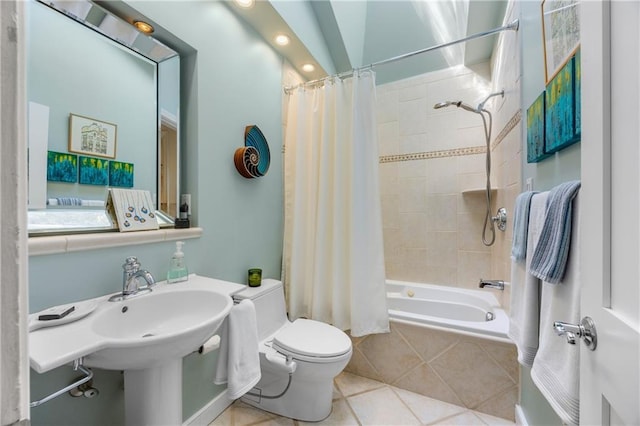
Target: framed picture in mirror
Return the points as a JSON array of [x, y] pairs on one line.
[[92, 137]]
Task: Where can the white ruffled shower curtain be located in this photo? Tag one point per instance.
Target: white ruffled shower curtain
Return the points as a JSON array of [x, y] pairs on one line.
[[333, 249]]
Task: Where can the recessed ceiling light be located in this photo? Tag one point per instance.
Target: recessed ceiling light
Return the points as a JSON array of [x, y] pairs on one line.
[[282, 39], [245, 3], [308, 68], [143, 26]]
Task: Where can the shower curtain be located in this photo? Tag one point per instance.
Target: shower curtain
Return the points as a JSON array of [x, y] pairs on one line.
[[333, 249]]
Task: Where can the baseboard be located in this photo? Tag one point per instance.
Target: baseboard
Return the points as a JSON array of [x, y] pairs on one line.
[[209, 412], [521, 419]]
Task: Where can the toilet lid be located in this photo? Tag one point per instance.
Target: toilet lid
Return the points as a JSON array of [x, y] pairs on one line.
[[313, 339]]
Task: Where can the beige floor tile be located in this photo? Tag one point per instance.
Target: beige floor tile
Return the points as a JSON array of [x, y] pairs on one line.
[[428, 410], [277, 421], [381, 407], [465, 419], [350, 384], [341, 415], [224, 419], [244, 414], [492, 420]]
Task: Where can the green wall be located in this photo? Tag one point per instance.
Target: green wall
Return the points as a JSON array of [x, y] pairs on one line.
[[73, 70], [561, 167], [565, 164], [232, 80]]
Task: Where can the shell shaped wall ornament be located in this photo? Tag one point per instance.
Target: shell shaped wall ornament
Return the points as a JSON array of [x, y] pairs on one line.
[[254, 158]]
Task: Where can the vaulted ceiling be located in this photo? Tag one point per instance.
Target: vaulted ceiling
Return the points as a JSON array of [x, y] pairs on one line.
[[338, 35]]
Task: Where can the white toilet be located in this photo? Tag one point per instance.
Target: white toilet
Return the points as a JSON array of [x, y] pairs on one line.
[[298, 359]]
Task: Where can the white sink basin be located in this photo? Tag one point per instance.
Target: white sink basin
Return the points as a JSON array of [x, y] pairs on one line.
[[148, 329], [146, 336]]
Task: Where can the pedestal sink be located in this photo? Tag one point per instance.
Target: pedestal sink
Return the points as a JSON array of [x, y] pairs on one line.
[[146, 336]]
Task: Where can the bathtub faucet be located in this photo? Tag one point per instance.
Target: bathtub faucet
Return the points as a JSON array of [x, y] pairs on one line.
[[498, 284]]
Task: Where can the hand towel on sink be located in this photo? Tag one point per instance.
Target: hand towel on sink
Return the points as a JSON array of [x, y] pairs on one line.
[[238, 359]]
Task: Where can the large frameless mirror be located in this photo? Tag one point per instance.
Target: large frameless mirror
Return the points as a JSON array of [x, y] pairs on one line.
[[103, 108]]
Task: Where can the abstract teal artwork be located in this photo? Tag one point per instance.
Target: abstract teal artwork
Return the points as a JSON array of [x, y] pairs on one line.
[[62, 167], [577, 77], [93, 171], [535, 131], [121, 174], [560, 117]]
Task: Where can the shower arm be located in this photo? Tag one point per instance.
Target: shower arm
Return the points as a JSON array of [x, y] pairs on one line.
[[481, 104]]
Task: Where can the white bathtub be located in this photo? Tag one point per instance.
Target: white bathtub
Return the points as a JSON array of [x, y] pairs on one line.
[[470, 312]]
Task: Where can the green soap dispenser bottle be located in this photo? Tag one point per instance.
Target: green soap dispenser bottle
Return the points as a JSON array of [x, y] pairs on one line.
[[178, 268]]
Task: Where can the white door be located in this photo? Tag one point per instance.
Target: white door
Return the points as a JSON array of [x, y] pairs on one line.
[[610, 202]]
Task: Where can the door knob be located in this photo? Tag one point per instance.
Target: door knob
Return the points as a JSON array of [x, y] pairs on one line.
[[586, 331]]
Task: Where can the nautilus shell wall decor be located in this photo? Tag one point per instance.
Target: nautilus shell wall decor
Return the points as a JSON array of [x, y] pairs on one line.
[[253, 159]]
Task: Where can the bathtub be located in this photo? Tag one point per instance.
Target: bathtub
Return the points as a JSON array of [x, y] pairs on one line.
[[445, 343], [471, 312]]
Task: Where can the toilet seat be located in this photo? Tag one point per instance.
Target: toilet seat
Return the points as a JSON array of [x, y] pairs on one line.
[[312, 341]]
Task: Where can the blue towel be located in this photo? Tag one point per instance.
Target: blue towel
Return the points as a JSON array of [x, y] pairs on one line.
[[550, 256], [69, 201], [521, 225]]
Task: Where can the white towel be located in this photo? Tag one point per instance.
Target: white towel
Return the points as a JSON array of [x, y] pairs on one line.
[[238, 359], [524, 313], [556, 367]]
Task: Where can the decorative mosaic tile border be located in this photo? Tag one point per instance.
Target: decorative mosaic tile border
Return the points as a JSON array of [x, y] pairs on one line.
[[511, 124], [456, 152]]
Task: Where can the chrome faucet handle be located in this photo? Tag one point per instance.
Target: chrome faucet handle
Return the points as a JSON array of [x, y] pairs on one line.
[[131, 264]]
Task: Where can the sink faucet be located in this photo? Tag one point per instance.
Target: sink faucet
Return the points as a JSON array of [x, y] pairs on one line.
[[497, 284], [131, 276]]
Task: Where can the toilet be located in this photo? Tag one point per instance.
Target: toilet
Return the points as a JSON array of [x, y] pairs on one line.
[[298, 359]]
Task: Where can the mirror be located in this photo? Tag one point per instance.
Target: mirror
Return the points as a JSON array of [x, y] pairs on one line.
[[101, 114]]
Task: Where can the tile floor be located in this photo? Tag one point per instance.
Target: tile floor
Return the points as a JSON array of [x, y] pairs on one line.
[[361, 401]]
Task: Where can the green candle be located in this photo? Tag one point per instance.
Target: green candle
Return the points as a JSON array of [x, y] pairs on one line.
[[255, 277]]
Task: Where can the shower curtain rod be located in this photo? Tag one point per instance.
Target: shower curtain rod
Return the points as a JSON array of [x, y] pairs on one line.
[[513, 25]]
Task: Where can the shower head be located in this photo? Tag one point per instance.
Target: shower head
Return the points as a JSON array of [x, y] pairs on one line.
[[443, 104], [459, 104]]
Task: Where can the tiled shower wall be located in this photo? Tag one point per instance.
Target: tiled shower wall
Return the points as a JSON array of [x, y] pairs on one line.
[[429, 158], [432, 174]]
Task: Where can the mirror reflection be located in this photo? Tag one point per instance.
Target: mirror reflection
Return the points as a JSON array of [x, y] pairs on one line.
[[100, 115]]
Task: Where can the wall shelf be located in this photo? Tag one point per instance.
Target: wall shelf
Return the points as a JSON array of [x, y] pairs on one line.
[[476, 191], [39, 246]]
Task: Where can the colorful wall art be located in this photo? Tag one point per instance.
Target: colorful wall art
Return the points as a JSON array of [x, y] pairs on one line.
[[121, 174], [253, 159], [62, 167], [535, 131], [93, 171], [560, 130]]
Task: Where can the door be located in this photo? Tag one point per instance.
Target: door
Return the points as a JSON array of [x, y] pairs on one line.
[[610, 202]]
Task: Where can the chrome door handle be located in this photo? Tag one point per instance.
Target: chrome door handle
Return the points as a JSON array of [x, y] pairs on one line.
[[586, 331]]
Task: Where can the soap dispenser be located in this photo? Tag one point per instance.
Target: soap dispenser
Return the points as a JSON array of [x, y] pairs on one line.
[[178, 268]]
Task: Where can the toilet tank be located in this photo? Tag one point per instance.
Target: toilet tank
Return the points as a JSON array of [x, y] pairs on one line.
[[271, 312]]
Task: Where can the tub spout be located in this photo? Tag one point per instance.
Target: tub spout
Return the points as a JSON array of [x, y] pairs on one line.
[[497, 284]]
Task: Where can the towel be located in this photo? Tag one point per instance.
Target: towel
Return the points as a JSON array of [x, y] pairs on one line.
[[69, 201], [524, 313], [521, 225], [238, 359], [556, 367], [550, 257]]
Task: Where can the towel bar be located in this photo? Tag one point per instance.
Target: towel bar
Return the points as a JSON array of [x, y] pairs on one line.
[[77, 365]]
